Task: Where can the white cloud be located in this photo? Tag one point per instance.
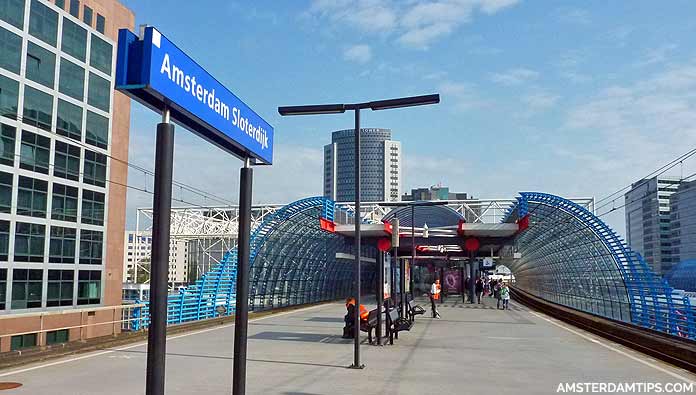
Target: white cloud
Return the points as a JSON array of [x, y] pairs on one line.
[[575, 16], [514, 76], [360, 53], [540, 100], [461, 95], [657, 55], [415, 24]]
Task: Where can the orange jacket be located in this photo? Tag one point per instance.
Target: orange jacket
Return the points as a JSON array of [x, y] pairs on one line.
[[363, 312]]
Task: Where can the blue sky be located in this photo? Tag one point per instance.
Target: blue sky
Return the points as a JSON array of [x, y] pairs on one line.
[[572, 98]]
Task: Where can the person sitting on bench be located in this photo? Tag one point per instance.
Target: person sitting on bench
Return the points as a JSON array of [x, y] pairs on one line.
[[349, 318]]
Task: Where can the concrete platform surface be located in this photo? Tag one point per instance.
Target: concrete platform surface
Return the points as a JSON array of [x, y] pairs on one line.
[[472, 349]]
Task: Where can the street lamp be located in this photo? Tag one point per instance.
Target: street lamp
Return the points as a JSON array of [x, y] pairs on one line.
[[339, 109], [402, 267]]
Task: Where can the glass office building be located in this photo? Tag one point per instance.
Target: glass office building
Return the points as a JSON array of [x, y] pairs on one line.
[[683, 223], [380, 171], [61, 213]]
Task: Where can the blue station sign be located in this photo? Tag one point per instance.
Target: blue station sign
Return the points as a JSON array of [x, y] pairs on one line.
[[155, 72]]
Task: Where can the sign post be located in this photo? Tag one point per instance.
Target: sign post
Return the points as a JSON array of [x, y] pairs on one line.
[[155, 72]]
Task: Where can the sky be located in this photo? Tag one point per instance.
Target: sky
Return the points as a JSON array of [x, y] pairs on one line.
[[575, 98]]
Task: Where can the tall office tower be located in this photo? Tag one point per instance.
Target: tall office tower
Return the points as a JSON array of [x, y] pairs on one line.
[[380, 166], [683, 223], [64, 145], [648, 228]]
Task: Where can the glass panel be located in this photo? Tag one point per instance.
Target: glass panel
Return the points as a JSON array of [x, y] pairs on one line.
[[74, 40], [72, 79], [34, 152], [60, 4], [87, 15], [95, 168], [69, 120], [99, 94], [7, 145], [10, 50], [41, 65], [43, 23], [64, 203], [100, 57], [38, 108], [97, 130], [29, 242], [101, 23], [12, 12], [75, 8], [9, 96], [67, 161]]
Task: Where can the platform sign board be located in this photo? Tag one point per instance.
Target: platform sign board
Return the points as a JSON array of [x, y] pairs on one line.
[[155, 72], [488, 263]]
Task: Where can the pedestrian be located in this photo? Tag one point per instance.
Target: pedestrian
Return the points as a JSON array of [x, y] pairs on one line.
[[349, 319], [496, 292], [505, 295], [435, 295], [479, 289]]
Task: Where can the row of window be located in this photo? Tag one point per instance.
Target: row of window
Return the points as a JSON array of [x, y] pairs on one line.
[[30, 240], [28, 340], [27, 288], [32, 200], [35, 153], [38, 108], [87, 14]]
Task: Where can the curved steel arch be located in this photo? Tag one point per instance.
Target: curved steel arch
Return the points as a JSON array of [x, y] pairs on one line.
[[571, 257], [292, 261], [434, 216]]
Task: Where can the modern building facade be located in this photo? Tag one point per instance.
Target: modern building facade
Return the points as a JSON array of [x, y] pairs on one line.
[[648, 228], [137, 251], [435, 192], [683, 223], [380, 161], [63, 155]]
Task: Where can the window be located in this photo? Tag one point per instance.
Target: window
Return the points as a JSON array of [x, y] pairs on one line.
[[43, 23], [41, 65], [4, 242], [67, 161], [62, 245], [9, 96], [74, 40], [12, 12], [100, 56], [60, 288], [34, 152], [32, 196], [97, 130], [23, 341], [75, 8], [101, 23], [95, 168], [87, 15], [92, 207], [89, 287], [5, 192], [10, 50], [7, 144], [72, 79], [64, 203], [69, 120], [57, 337], [26, 288], [3, 288], [60, 4], [38, 108], [99, 94], [91, 247]]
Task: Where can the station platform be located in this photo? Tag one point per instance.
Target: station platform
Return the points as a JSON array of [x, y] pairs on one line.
[[471, 349]]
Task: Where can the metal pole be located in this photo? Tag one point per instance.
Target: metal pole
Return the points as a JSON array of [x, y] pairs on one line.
[[380, 295], [442, 285], [402, 287], [413, 246], [462, 283], [472, 280], [356, 353], [241, 314], [159, 266]]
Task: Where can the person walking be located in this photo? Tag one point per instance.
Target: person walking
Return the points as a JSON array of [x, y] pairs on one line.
[[435, 295], [479, 289], [496, 293], [505, 295]]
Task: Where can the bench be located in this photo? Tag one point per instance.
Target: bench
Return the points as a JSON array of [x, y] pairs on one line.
[[369, 324], [413, 311], [396, 324]]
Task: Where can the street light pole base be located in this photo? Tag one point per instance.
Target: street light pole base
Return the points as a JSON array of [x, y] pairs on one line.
[[354, 366]]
